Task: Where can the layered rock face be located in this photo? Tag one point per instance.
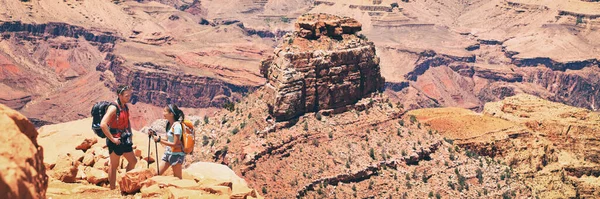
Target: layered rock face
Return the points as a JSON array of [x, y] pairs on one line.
[[22, 172], [323, 64], [160, 85]]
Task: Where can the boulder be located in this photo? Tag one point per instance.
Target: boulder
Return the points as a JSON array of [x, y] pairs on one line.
[[87, 144], [22, 171], [131, 182], [66, 168], [96, 176]]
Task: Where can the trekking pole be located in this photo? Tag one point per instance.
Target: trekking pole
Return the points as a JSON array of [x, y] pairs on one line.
[[156, 147], [149, 137]]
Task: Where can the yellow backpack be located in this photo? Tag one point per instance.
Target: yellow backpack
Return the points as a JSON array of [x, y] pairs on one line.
[[187, 137]]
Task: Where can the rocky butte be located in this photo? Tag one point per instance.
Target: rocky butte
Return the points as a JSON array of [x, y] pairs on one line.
[[322, 65]]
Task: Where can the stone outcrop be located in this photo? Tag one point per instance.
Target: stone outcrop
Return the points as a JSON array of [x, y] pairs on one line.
[[22, 172], [322, 65]]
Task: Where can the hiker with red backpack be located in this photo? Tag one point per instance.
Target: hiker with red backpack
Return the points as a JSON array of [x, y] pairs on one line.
[[179, 140], [116, 127]]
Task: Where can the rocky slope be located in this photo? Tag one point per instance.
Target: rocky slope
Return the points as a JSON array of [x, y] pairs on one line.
[[551, 145], [372, 150], [323, 64], [77, 167]]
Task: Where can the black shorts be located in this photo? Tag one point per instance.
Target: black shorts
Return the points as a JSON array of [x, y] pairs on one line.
[[126, 145]]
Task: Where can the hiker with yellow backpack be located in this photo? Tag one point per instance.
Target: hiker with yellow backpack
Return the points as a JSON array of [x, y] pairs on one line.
[[179, 140]]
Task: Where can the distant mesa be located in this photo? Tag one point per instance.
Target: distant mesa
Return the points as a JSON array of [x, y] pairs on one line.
[[322, 65]]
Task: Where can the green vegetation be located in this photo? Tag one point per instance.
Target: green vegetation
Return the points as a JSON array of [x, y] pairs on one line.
[[413, 119], [479, 175], [372, 153], [230, 106]]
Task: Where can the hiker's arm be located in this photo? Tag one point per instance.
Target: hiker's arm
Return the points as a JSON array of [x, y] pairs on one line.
[[171, 144], [129, 125], [110, 113], [176, 136]]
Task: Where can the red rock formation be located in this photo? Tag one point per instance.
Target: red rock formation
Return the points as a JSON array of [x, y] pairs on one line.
[[22, 172], [322, 65]]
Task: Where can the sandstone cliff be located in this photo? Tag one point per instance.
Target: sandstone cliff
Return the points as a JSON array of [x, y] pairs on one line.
[[322, 65]]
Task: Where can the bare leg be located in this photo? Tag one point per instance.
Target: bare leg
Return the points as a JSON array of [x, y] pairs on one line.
[[131, 160], [163, 167], [177, 170], [114, 164]]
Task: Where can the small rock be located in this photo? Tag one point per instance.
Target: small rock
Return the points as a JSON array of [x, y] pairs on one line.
[[87, 144]]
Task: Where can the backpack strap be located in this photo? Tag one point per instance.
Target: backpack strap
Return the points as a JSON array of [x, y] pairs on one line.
[[118, 109], [180, 136]]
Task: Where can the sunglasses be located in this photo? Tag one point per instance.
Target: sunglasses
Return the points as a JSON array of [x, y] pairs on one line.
[[123, 89]]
